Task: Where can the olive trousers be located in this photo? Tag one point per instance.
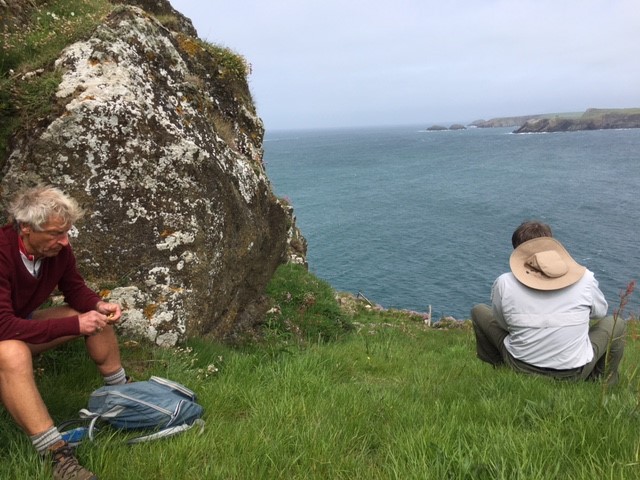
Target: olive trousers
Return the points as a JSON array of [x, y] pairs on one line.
[[603, 333]]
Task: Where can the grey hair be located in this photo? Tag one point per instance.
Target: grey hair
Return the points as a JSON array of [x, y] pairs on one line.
[[37, 205]]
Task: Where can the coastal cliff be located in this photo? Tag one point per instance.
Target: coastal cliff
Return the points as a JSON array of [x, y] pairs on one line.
[[591, 119], [155, 132], [501, 122]]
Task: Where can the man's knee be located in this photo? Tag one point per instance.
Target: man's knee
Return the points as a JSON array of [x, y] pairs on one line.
[[613, 327], [106, 336], [619, 328], [481, 312], [15, 356]]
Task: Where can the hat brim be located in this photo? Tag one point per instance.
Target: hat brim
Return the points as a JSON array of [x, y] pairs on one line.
[[535, 279]]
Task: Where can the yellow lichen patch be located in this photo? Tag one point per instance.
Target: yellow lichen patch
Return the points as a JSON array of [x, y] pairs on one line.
[[166, 232], [104, 293], [189, 45], [150, 310]]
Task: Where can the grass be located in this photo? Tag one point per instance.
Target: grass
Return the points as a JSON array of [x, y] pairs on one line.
[[383, 397], [31, 49], [599, 112]]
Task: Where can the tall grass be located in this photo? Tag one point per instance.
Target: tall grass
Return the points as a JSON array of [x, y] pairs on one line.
[[27, 52], [390, 399]]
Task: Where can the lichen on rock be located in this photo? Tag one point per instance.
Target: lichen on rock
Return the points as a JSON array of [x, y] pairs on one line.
[[163, 148]]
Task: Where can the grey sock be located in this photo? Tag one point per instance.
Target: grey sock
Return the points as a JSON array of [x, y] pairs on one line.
[[42, 441], [119, 377]]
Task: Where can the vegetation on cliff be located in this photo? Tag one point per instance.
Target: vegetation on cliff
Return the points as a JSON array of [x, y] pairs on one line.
[[517, 121]]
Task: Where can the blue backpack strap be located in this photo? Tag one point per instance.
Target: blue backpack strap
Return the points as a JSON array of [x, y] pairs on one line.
[[94, 417], [168, 432]]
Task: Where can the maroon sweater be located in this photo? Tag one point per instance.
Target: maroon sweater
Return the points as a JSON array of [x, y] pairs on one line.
[[21, 293]]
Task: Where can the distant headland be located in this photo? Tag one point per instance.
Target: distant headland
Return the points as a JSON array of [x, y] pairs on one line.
[[591, 119]]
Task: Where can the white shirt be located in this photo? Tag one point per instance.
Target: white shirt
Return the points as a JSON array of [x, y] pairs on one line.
[[548, 329], [32, 264]]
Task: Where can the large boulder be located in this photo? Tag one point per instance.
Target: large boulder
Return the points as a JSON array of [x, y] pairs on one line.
[[156, 134]]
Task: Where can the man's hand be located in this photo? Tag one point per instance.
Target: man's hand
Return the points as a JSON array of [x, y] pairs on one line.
[[92, 323], [110, 310]]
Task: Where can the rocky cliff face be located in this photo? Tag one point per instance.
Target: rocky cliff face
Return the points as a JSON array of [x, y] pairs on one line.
[[592, 119], [155, 133], [505, 121]]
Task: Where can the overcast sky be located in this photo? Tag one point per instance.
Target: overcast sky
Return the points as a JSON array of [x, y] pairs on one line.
[[335, 63]]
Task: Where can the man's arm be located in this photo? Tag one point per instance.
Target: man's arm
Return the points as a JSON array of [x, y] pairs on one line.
[[599, 305], [496, 302], [15, 327], [73, 286], [94, 313]]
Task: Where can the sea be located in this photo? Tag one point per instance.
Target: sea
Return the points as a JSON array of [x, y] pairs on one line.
[[414, 219]]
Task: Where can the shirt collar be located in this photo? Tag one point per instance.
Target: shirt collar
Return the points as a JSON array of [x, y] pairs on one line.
[[23, 250]]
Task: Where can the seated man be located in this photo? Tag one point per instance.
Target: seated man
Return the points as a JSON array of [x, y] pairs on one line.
[[35, 259], [540, 320]]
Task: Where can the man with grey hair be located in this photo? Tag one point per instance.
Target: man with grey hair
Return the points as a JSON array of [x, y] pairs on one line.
[[35, 259]]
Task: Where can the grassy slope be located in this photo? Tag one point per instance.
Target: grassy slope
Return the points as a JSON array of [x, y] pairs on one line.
[[598, 112], [389, 399]]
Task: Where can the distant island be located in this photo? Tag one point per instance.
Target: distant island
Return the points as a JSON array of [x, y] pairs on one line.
[[591, 119], [438, 128]]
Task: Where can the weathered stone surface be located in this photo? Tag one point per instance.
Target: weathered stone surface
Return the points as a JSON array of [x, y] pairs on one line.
[[162, 146], [174, 20]]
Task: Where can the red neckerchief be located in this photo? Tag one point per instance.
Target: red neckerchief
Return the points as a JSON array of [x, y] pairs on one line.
[[23, 250]]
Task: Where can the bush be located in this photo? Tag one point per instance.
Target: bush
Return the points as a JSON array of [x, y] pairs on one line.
[[304, 307]]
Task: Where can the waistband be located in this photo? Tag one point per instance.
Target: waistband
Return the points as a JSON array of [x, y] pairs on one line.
[[562, 374]]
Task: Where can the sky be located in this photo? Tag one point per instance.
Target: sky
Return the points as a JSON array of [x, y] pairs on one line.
[[352, 63]]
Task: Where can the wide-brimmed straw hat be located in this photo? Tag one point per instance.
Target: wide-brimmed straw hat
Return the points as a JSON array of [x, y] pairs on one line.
[[544, 264]]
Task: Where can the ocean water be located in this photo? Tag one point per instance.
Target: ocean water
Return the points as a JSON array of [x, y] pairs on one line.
[[413, 219]]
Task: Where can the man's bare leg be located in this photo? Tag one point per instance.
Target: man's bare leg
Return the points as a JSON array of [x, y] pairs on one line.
[[102, 348], [18, 389]]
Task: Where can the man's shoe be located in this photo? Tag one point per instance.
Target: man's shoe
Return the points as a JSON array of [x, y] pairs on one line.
[[65, 464]]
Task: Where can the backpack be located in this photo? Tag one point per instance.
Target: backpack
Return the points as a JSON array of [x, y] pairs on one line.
[[158, 404]]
